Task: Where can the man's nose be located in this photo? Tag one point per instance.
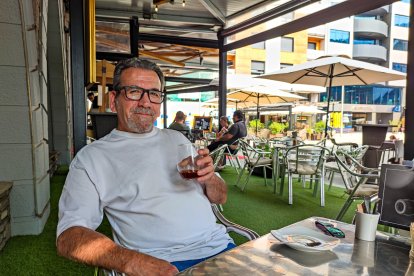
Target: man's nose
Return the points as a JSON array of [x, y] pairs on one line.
[[144, 101]]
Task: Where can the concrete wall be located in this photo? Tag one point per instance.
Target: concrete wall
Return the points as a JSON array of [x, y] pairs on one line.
[[23, 113]]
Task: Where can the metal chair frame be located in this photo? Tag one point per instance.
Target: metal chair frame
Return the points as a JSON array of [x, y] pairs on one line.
[[307, 160], [355, 176], [254, 158]]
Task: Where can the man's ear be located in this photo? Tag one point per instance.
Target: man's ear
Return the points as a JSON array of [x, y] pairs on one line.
[[112, 100]]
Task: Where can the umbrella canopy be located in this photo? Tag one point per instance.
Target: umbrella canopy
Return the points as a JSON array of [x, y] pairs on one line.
[[262, 95], [335, 71], [240, 81], [230, 103]]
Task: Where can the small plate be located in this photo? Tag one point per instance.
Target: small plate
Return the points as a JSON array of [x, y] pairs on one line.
[[298, 237]]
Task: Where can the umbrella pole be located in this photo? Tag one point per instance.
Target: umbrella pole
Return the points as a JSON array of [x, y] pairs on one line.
[[257, 113], [327, 109]]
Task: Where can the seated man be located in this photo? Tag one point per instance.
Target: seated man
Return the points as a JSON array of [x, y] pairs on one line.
[[236, 131], [160, 221], [179, 124]]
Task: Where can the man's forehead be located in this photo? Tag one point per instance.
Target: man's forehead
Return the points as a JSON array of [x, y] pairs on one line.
[[139, 74]]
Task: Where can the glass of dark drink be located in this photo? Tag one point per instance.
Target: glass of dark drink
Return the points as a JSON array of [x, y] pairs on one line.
[[188, 155]]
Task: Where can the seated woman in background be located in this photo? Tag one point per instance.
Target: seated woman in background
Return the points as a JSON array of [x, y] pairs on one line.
[[225, 124]]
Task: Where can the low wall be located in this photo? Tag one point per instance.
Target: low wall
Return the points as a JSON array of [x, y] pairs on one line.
[[5, 231]]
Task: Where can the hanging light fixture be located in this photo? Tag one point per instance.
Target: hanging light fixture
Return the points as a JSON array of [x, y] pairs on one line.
[[183, 3], [156, 8]]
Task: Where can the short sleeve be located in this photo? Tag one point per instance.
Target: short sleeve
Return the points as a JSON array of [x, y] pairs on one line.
[[79, 204], [234, 129]]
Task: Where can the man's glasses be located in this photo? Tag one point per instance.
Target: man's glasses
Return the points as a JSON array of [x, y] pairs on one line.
[[135, 93], [329, 229]]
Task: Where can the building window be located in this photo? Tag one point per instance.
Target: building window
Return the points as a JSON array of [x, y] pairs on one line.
[[402, 67], [365, 41], [339, 36], [287, 44], [406, 1], [401, 20], [381, 95], [259, 45], [257, 67], [336, 96], [400, 45], [312, 45], [284, 65]]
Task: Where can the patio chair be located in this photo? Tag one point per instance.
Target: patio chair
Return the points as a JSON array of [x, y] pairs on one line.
[[230, 227], [332, 167], [231, 154], [307, 160], [218, 154], [253, 158], [355, 177]]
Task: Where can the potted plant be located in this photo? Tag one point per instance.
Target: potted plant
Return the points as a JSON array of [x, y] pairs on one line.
[[255, 124], [319, 129], [277, 129]]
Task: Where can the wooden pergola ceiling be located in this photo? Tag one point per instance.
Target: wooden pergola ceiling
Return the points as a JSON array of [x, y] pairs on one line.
[[113, 39]]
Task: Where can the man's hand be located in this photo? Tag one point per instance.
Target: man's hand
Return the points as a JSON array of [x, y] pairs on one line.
[[215, 188], [205, 163]]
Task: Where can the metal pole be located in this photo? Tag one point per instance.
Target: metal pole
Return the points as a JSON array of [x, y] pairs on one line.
[[342, 109]]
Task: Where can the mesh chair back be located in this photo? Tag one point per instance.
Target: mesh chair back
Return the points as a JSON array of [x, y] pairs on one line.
[[217, 154], [306, 159]]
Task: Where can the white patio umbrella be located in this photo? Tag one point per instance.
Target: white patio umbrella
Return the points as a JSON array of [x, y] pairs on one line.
[[230, 103], [335, 71], [262, 95]]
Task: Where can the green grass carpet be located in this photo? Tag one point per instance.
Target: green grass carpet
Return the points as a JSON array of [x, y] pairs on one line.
[[257, 208]]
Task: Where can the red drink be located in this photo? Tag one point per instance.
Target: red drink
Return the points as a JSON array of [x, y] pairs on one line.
[[189, 174]]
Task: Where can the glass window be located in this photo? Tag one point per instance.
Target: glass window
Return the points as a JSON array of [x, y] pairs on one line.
[[339, 36], [336, 96], [312, 45], [257, 67], [287, 44], [406, 1], [401, 20], [399, 67], [284, 65], [381, 95], [400, 44], [112, 37], [364, 41], [259, 45]]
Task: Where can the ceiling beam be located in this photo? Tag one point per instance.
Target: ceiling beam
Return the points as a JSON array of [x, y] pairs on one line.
[[266, 16], [179, 17], [203, 88], [338, 11], [214, 10], [163, 58], [197, 42], [188, 80]]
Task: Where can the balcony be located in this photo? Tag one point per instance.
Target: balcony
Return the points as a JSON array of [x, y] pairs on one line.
[[379, 11], [371, 28], [370, 53]]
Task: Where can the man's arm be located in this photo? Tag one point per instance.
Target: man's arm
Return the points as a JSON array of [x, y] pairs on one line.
[[215, 187], [227, 136], [93, 248]]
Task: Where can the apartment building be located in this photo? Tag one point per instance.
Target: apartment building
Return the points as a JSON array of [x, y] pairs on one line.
[[379, 36]]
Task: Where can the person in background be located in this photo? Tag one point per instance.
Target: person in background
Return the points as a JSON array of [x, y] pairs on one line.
[[161, 223], [93, 101], [236, 131], [225, 124], [179, 122]]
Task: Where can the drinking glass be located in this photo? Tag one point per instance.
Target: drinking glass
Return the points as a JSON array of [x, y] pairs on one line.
[[187, 166]]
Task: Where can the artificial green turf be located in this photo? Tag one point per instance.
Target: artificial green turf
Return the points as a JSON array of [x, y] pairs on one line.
[[257, 208]]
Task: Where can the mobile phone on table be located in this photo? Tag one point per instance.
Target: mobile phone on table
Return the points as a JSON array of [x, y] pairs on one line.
[[329, 229]]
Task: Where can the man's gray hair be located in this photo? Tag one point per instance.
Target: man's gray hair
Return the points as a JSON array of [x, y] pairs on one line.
[[136, 63]]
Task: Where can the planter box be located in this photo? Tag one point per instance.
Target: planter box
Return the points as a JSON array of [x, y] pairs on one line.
[[5, 230]]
